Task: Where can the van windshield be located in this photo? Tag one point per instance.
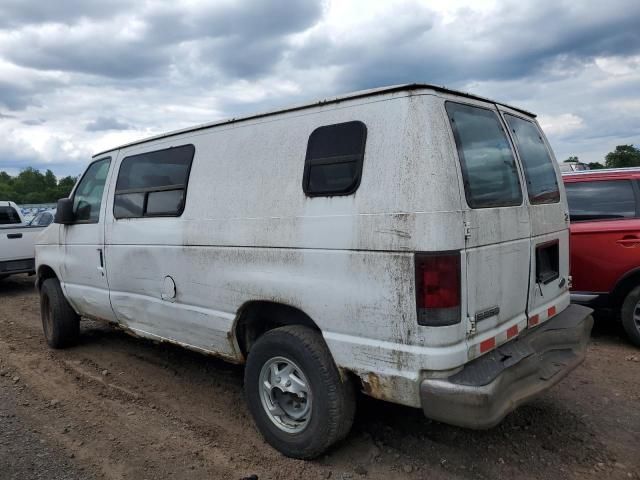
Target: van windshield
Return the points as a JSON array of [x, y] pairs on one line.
[[487, 161], [8, 215], [542, 183]]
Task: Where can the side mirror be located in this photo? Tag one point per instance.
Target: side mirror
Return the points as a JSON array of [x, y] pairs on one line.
[[64, 212]]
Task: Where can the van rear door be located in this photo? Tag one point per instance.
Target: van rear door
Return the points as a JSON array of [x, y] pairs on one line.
[[548, 214], [497, 228]]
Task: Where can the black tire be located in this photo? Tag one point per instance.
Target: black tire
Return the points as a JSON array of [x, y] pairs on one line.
[[629, 323], [333, 406], [60, 322]]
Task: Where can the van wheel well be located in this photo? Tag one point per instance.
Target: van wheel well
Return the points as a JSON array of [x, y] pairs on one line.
[[258, 317], [623, 287], [44, 272]]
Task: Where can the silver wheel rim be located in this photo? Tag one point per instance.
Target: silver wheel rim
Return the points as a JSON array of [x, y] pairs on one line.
[[636, 316], [285, 394]]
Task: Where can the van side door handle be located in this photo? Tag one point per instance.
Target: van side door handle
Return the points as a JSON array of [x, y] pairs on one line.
[[101, 265], [11, 236]]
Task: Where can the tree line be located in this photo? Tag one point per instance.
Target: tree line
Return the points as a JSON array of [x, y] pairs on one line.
[[33, 186], [623, 156]]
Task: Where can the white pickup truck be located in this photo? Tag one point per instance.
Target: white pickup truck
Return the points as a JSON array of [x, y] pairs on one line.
[[17, 239]]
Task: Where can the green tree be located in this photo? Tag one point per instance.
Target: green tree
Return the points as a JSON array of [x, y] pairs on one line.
[[572, 158], [623, 156], [65, 185], [595, 165], [31, 186]]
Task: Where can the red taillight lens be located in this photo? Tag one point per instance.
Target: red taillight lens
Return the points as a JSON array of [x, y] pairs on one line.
[[438, 289]]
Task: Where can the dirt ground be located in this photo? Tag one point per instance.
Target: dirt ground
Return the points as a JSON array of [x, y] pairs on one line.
[[119, 407]]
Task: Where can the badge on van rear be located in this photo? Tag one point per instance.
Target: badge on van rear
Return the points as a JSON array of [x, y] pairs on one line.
[[490, 312]]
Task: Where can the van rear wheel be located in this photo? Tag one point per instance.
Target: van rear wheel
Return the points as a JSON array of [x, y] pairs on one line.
[[294, 391], [630, 314], [60, 323]]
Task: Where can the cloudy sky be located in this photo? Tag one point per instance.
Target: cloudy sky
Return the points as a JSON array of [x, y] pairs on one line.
[[81, 76]]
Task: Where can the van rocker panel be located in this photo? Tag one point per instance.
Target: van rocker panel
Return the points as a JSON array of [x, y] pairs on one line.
[[488, 388]]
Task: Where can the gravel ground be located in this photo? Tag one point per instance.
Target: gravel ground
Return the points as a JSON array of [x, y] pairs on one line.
[[117, 407], [24, 452]]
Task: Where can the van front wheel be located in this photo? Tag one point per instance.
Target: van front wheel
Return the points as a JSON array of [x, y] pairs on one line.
[[295, 393], [630, 314], [60, 323]]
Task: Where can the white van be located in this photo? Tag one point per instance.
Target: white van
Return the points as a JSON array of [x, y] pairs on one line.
[[410, 242]]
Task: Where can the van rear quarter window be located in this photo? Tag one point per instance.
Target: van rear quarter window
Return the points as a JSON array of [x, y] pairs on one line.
[[486, 159], [542, 183], [601, 200], [153, 183], [333, 164]]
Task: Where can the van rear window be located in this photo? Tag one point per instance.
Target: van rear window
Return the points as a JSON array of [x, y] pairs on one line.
[[542, 183], [600, 200], [487, 161], [8, 215], [153, 183]]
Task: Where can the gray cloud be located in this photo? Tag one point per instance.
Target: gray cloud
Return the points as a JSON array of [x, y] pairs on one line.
[[240, 39], [519, 40], [34, 122], [18, 155], [152, 66], [20, 12], [106, 123], [15, 97]]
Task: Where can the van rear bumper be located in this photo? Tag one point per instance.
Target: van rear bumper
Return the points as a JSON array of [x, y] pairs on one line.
[[488, 388]]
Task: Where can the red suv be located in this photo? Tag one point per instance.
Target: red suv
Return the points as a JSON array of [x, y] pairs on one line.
[[604, 206]]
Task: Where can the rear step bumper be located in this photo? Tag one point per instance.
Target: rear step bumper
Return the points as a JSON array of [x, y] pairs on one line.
[[490, 387]]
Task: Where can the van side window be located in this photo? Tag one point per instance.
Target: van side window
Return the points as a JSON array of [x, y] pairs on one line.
[[600, 200], [87, 196], [333, 165], [153, 183], [542, 183], [488, 165]]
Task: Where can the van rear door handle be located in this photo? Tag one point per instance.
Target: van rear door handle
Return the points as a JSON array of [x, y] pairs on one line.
[[629, 241], [11, 236]]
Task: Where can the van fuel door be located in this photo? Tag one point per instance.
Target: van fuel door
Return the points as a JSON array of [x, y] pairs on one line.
[[168, 289]]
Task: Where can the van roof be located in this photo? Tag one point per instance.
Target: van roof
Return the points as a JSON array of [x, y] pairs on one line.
[[327, 101]]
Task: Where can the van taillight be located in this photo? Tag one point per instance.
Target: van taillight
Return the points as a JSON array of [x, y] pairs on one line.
[[438, 289]]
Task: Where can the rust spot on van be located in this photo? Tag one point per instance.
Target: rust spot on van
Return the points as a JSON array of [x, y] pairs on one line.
[[372, 386]]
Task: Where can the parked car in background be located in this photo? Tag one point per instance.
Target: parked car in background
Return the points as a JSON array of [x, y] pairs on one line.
[[604, 206], [410, 242], [566, 167], [17, 240], [43, 219]]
